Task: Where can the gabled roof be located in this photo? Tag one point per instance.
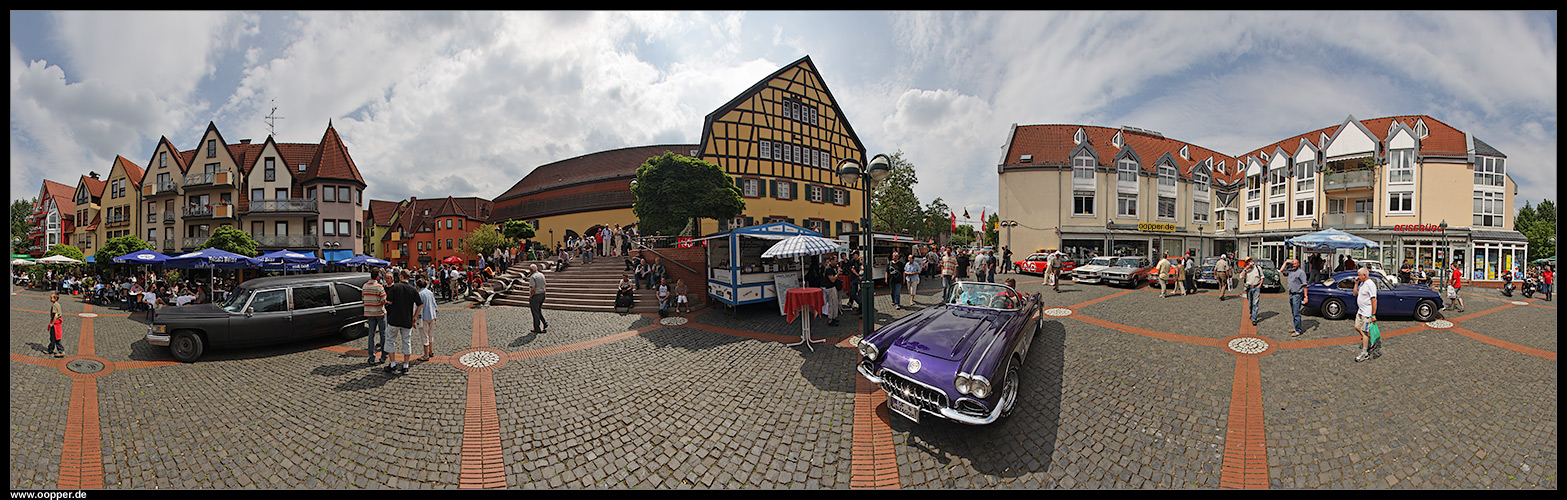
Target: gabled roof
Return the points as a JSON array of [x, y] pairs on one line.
[[1481, 148], [181, 161], [60, 193], [707, 122], [380, 212], [1051, 145], [133, 171], [93, 186], [331, 159]]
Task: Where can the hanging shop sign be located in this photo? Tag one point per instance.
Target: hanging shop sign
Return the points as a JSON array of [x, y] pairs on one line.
[[1153, 226]]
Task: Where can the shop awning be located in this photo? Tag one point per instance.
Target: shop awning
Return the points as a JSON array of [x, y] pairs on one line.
[[771, 231], [1495, 235]]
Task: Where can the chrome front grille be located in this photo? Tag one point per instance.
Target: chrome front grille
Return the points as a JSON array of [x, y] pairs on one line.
[[927, 398]]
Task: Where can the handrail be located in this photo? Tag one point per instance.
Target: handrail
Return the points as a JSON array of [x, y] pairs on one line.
[[637, 244]]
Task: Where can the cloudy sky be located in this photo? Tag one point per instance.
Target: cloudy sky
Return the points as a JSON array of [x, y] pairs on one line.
[[467, 103]]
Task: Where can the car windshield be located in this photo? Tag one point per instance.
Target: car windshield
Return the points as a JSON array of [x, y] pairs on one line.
[[236, 302], [984, 295], [1266, 264], [1102, 261], [1038, 257], [1126, 262], [1210, 261]]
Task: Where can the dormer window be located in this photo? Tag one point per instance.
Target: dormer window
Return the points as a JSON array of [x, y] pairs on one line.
[[1421, 130], [1186, 152], [301, 167], [1077, 138], [1026, 159], [1117, 141]]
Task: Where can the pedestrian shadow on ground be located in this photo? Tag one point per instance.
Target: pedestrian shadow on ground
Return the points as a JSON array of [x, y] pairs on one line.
[[374, 375], [1020, 444], [41, 348]]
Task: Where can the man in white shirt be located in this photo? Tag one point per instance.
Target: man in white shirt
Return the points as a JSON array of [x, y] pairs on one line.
[[1366, 311]]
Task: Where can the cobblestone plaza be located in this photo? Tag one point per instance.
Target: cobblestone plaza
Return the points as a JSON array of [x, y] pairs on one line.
[[1123, 390]]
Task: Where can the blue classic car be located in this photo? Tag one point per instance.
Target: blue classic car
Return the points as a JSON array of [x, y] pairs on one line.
[[1335, 298], [958, 360]]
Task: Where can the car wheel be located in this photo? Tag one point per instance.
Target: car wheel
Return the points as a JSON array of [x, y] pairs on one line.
[[1333, 309], [355, 332], [1425, 311], [1009, 390], [186, 346]]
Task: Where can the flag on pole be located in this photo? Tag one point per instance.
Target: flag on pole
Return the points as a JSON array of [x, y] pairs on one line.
[[954, 221], [965, 213], [982, 219]]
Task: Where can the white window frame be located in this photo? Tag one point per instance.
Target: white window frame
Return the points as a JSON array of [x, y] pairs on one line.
[[1126, 205], [1167, 175], [1080, 194], [782, 191], [1401, 167], [1253, 188], [1125, 167], [816, 194], [765, 149], [1278, 183], [798, 156], [1200, 184], [1200, 211], [1310, 206], [1407, 196], [1163, 202], [1305, 177], [749, 187], [1279, 207], [1253, 214], [1489, 171], [840, 197], [1083, 167], [1491, 208]]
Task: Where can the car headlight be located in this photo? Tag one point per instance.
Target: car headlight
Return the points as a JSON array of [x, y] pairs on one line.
[[963, 383], [160, 328], [980, 387], [868, 350]]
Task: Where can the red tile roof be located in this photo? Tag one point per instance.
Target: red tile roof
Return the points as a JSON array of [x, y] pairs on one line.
[[62, 195], [94, 186], [590, 167], [380, 212]]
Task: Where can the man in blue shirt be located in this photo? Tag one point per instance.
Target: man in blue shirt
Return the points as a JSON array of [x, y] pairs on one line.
[[1297, 290]]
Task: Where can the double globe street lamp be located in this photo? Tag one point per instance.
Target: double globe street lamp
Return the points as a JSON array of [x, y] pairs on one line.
[[849, 171]]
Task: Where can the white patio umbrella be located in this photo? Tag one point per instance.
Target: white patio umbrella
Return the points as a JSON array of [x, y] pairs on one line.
[[800, 246], [22, 262], [58, 259]]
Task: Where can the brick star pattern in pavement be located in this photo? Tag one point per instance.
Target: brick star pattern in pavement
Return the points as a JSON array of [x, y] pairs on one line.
[[1124, 391]]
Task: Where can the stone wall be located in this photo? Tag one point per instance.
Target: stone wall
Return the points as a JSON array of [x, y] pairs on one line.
[[694, 258]]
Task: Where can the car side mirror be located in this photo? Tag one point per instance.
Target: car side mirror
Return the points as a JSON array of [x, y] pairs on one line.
[[249, 311]]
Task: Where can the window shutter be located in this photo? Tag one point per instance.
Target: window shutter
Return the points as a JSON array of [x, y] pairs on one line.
[[794, 190], [749, 222], [761, 187], [740, 184], [773, 186]]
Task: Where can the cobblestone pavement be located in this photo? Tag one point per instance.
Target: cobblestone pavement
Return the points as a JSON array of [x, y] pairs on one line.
[[1128, 390]]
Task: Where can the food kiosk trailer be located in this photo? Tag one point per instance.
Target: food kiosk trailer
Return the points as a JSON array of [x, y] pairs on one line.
[[886, 243], [736, 272]]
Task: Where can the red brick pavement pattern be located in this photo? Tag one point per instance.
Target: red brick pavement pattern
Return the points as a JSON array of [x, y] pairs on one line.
[[1505, 344], [1245, 450], [81, 461], [482, 466], [874, 462]]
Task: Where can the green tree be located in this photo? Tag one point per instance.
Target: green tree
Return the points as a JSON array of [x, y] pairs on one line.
[[1538, 224], [962, 238], [673, 190], [116, 247], [230, 239], [66, 250], [894, 207], [484, 240], [20, 209], [937, 220], [517, 230]]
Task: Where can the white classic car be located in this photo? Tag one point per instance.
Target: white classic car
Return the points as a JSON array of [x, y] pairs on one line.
[[1090, 272]]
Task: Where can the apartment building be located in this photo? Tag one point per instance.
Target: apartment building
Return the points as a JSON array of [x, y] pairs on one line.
[[52, 218], [1425, 191], [89, 201]]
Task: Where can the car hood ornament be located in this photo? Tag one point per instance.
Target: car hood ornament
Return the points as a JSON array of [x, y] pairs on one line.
[[914, 366]]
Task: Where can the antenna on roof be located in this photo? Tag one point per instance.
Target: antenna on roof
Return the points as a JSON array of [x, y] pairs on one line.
[[272, 119]]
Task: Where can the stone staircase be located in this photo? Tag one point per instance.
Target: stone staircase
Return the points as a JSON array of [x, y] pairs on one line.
[[588, 287]]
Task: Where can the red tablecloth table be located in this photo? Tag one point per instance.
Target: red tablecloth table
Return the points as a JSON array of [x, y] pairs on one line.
[[804, 302]]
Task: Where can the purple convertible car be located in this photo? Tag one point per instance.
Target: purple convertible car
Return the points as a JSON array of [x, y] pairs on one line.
[[958, 360]]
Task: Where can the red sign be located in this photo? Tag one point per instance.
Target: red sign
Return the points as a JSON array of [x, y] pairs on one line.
[[1417, 227], [685, 242]]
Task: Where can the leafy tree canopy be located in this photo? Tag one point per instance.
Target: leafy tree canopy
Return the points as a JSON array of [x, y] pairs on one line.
[[671, 190], [230, 239], [66, 250], [116, 247], [517, 230], [484, 240], [894, 207]]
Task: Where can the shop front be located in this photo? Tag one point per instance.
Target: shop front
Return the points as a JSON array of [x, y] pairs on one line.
[[1495, 253]]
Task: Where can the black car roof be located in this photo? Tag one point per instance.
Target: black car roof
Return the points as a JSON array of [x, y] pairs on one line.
[[356, 279]]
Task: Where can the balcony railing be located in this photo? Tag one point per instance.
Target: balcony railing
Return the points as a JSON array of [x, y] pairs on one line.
[[1348, 180], [208, 211], [168, 246], [190, 243], [1353, 220], [117, 220], [219, 178], [295, 241], [288, 205], [168, 217], [160, 188]]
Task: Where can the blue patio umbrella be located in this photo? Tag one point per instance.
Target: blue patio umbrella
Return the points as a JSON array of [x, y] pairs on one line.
[[1330, 239], [140, 257], [363, 260], [288, 260], [212, 259]]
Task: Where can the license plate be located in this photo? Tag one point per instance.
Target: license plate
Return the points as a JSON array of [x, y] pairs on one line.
[[908, 410]]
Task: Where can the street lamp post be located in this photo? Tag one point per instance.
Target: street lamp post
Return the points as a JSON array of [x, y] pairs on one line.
[[1008, 224], [1447, 253], [850, 171]]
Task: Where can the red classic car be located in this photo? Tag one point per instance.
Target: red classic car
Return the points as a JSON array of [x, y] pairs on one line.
[[1035, 264]]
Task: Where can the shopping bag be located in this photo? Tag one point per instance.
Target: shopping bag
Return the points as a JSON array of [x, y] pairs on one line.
[[1375, 333]]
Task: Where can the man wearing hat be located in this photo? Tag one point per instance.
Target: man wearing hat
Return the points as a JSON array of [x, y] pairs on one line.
[[1221, 272]]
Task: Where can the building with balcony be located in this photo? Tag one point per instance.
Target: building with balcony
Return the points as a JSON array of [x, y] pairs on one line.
[[51, 219], [122, 205], [88, 200], [1392, 180], [161, 195]]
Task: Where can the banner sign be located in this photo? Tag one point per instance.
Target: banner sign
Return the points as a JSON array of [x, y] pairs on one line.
[[1418, 227], [1151, 226]]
